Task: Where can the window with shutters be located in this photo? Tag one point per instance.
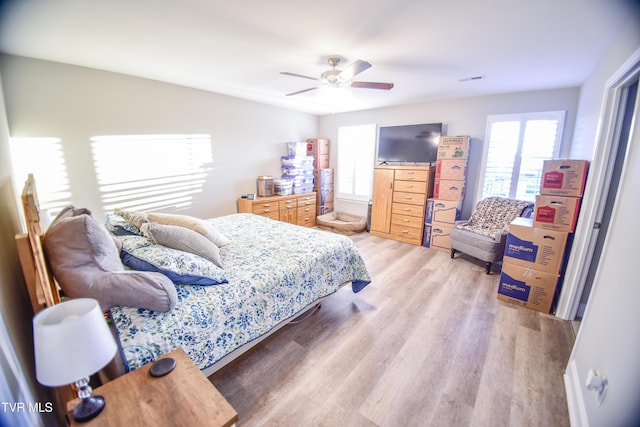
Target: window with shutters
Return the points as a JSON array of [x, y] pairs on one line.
[[515, 148], [356, 152]]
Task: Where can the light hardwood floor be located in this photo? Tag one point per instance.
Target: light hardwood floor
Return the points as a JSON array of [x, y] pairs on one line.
[[425, 344]]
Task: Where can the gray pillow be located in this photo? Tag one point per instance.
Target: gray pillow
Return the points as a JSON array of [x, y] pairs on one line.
[[183, 239], [86, 263]]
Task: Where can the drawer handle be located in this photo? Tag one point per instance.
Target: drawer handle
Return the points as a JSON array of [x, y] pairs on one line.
[[405, 231], [267, 210], [408, 198], [266, 205], [406, 210], [405, 220]]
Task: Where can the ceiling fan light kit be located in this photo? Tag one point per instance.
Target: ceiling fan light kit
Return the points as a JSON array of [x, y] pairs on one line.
[[341, 78]]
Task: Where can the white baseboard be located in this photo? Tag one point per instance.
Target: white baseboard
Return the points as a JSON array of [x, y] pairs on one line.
[[575, 402]]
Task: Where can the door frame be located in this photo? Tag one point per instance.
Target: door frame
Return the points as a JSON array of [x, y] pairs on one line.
[[600, 172]]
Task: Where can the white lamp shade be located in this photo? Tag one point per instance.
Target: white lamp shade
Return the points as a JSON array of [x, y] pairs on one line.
[[72, 341]]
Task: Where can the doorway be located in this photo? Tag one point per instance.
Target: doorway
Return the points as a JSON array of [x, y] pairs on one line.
[[629, 106]]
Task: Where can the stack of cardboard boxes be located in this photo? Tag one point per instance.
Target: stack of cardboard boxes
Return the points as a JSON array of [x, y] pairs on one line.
[[536, 248], [323, 175], [444, 208]]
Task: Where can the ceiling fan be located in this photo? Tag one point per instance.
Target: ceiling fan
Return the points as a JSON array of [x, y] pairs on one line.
[[341, 78]]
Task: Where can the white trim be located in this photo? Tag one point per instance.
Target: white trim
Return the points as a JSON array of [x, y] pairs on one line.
[[577, 410], [599, 179]]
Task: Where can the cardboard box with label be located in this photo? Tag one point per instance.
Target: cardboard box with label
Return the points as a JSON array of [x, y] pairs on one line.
[[538, 248], [556, 212], [445, 189], [453, 147], [322, 178], [527, 287], [437, 235], [451, 169], [316, 146], [445, 211], [564, 177]]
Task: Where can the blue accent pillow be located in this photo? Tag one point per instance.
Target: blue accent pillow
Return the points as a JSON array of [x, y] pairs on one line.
[[183, 268], [119, 226]]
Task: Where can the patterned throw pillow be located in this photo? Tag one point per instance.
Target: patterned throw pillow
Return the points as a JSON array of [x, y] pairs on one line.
[[141, 253]]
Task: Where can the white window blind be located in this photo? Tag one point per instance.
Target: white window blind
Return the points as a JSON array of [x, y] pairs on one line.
[[44, 158], [150, 172], [515, 148], [356, 151]]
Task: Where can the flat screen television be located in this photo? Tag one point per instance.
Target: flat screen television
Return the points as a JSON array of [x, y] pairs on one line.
[[409, 143]]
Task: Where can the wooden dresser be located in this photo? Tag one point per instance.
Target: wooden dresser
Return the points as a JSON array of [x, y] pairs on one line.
[[297, 209], [399, 197]]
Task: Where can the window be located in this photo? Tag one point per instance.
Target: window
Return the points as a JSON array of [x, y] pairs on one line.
[[356, 151], [44, 158], [148, 172], [516, 146]]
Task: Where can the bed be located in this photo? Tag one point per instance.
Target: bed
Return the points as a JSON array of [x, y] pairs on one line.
[[274, 272]]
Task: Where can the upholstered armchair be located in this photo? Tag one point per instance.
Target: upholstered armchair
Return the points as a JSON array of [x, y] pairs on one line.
[[484, 234]]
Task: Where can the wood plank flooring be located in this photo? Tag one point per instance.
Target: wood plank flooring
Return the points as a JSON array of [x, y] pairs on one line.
[[425, 344]]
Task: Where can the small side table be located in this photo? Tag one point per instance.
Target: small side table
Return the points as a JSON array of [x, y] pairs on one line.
[[184, 397]]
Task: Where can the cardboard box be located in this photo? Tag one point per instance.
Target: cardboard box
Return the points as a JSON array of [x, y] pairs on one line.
[[324, 209], [564, 177], [536, 248], [323, 178], [455, 170], [321, 161], [445, 189], [445, 211], [527, 287], [437, 235], [453, 147], [556, 212], [323, 196], [317, 146]]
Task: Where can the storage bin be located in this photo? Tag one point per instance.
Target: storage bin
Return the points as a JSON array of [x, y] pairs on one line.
[[297, 161], [282, 187], [302, 189], [265, 186], [295, 170]]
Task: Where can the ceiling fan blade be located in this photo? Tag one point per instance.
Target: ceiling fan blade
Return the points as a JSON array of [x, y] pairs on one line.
[[354, 69], [372, 85], [302, 91], [298, 75]]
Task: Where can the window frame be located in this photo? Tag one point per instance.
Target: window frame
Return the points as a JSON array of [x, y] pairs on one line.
[[558, 115], [367, 168]]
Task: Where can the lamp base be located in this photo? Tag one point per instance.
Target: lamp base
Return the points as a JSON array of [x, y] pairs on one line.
[[88, 408]]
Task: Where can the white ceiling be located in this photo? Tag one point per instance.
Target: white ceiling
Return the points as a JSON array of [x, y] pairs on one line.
[[240, 47]]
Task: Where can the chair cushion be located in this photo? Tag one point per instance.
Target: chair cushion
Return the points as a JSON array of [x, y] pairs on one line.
[[477, 245]]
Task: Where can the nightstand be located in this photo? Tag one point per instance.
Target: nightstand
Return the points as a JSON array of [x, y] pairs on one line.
[[184, 397]]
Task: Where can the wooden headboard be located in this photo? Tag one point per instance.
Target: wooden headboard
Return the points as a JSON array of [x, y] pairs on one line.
[[43, 290]]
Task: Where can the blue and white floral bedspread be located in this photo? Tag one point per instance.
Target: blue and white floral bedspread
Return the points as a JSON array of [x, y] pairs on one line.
[[274, 269]]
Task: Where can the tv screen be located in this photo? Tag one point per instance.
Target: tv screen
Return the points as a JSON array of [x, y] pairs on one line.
[[410, 143]]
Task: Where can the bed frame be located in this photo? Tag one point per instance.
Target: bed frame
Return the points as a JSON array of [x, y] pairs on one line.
[[44, 291]]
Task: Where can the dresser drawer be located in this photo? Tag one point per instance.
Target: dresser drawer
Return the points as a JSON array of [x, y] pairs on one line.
[[407, 221], [404, 209], [410, 186], [264, 208], [408, 233], [273, 215], [287, 204], [309, 200], [409, 198], [411, 175], [307, 219]]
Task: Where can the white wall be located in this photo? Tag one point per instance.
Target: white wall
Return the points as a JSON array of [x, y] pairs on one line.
[[463, 116], [74, 103], [608, 339]]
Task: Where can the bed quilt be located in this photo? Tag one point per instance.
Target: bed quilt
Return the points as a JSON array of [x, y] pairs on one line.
[[274, 271]]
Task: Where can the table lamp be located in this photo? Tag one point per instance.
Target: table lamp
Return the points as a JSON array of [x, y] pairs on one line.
[[72, 341]]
